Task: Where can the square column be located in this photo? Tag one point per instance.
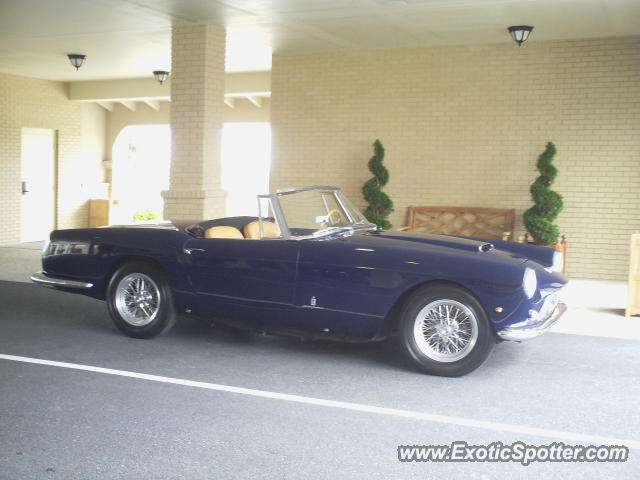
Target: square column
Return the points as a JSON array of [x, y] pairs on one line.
[[197, 101]]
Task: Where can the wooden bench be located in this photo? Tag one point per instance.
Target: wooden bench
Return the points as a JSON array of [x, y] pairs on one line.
[[493, 223]]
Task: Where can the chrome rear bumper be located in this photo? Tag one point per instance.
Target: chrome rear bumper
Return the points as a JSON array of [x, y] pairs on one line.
[[42, 279], [533, 326]]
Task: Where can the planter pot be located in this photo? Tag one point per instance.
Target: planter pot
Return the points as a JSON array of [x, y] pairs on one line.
[[560, 245]]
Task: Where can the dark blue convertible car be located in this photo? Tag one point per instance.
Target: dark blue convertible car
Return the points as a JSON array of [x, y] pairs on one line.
[[311, 265]]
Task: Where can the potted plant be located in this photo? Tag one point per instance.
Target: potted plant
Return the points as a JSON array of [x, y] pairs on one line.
[[380, 205], [539, 220]]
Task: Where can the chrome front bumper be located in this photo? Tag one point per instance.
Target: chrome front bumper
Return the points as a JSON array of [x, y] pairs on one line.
[[42, 279], [537, 323]]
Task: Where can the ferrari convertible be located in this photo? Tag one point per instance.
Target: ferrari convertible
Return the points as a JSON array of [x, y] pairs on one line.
[[309, 264]]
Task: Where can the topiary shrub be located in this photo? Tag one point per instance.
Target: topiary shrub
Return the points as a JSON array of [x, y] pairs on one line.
[[539, 219], [380, 205]]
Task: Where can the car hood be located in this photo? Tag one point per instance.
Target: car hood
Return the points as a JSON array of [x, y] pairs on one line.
[[444, 243], [459, 243]]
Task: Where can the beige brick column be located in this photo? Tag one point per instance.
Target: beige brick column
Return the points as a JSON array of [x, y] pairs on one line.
[[197, 100]]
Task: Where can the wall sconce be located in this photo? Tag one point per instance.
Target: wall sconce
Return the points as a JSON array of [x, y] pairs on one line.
[[76, 59], [520, 33], [161, 76]]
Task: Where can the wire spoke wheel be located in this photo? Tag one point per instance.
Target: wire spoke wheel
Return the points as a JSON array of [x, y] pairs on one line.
[[445, 330], [137, 299]]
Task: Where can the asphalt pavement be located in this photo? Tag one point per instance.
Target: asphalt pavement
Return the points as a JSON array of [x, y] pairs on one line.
[[67, 423]]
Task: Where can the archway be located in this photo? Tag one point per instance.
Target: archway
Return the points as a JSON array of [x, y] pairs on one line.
[[246, 161], [141, 163]]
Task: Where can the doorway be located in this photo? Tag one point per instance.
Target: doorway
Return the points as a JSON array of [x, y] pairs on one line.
[[38, 177]]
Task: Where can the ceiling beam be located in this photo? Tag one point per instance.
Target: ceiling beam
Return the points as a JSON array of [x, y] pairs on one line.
[[238, 84], [129, 104], [257, 101], [134, 89], [106, 105], [155, 104], [230, 102]]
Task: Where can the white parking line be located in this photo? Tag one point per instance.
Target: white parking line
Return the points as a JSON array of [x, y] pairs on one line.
[[466, 422]]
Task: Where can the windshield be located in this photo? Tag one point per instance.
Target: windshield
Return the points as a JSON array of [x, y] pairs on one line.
[[313, 212]]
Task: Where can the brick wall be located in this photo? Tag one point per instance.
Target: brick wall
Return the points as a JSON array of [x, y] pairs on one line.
[[463, 126], [35, 103]]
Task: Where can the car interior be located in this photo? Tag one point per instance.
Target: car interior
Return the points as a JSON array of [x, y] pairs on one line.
[[235, 228]]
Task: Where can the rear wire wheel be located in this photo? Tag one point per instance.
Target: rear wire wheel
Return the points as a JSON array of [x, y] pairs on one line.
[[140, 300]]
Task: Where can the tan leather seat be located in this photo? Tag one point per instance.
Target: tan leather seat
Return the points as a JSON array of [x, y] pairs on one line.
[[222, 232], [269, 230]]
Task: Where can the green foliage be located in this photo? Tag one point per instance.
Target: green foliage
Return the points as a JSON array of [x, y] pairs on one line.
[[380, 205], [142, 215], [539, 219]]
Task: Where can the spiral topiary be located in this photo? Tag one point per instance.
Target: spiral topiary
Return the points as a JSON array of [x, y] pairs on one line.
[[548, 204], [380, 205]]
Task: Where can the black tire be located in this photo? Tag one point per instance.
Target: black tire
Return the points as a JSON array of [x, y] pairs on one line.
[[426, 357], [158, 300]]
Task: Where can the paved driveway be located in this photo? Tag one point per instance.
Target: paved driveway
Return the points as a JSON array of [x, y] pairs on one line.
[[348, 409]]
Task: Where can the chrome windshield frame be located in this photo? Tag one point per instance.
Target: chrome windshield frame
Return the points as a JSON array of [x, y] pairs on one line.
[[288, 191], [277, 213], [327, 233]]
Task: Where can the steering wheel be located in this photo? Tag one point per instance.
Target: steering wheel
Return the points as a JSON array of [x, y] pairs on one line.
[[332, 212]]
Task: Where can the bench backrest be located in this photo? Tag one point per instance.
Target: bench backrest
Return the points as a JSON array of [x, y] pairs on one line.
[[467, 221]]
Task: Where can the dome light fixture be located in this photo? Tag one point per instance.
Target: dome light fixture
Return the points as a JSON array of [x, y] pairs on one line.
[[76, 59], [520, 33], [161, 75]]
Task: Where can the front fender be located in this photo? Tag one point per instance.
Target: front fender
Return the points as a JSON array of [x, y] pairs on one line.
[[540, 254]]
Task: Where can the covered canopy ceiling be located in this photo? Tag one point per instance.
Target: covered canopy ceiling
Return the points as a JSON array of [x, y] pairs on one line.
[[130, 38]]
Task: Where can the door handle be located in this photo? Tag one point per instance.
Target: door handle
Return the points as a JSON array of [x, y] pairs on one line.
[[191, 251], [24, 188]]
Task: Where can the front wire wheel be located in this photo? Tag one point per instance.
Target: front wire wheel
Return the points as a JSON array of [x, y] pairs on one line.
[[445, 331]]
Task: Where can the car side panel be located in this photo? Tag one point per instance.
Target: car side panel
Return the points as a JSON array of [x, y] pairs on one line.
[[109, 247], [349, 285], [248, 277], [342, 285]]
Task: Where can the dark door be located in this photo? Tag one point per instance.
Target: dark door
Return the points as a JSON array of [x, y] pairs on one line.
[[232, 276], [343, 288]]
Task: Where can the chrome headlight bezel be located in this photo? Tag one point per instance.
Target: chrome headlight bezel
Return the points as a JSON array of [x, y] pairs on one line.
[[529, 282], [58, 247]]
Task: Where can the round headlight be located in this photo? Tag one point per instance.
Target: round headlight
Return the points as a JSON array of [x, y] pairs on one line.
[[558, 262], [529, 282]]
